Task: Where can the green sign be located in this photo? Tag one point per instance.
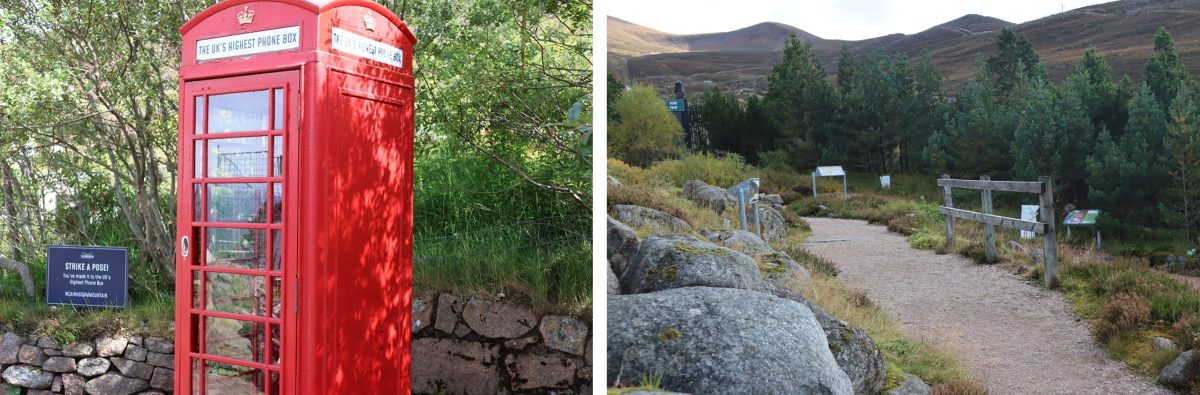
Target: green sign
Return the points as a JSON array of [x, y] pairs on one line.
[[1081, 217], [676, 105]]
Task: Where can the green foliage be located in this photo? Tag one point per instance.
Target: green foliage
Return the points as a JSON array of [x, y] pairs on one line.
[[646, 130]]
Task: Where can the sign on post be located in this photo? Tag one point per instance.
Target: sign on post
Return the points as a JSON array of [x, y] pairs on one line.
[[676, 105], [885, 182], [87, 276]]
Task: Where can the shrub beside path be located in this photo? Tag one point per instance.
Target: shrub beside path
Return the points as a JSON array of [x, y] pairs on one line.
[[1009, 334]]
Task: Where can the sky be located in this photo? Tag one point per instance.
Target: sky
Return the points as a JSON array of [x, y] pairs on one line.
[[829, 19]]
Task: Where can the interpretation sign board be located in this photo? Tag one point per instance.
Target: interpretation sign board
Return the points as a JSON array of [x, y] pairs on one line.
[[885, 182], [87, 276], [246, 44], [830, 171], [1029, 212], [1081, 218]]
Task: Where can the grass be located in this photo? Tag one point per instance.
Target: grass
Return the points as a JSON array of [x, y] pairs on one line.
[[67, 324], [540, 266]]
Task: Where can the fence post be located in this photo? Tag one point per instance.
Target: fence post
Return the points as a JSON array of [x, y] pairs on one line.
[[814, 180], [1049, 239], [948, 202], [989, 231], [742, 208], [758, 222]]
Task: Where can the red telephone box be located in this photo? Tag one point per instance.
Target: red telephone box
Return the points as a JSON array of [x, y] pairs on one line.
[[295, 199]]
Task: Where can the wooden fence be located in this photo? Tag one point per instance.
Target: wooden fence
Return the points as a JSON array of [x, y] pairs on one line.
[[1043, 187]]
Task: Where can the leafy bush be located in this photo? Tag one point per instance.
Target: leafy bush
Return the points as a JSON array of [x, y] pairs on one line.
[[628, 174], [645, 130], [1122, 315], [721, 171]]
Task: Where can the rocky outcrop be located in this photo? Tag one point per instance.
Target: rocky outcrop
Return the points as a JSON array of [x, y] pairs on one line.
[[780, 269], [740, 240], [489, 346], [708, 196], [853, 350], [674, 261], [622, 244], [717, 340], [1180, 372], [614, 285], [774, 227], [658, 221], [910, 385]]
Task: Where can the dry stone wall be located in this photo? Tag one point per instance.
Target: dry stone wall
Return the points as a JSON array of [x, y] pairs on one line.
[[117, 365], [460, 346], [497, 346]]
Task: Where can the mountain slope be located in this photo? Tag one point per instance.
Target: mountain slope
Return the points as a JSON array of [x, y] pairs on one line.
[[740, 61]]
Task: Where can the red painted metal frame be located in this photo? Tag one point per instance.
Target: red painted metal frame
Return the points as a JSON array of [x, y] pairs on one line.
[[347, 203]]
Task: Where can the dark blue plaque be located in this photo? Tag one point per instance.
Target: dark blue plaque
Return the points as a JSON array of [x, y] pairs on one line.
[[87, 276]]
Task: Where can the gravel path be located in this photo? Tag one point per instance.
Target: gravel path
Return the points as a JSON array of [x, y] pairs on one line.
[[1010, 335]]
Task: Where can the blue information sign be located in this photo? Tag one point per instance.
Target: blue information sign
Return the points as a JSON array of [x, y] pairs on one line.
[[87, 276], [676, 105]]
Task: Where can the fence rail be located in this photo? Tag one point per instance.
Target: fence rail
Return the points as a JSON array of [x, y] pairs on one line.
[[1044, 187]]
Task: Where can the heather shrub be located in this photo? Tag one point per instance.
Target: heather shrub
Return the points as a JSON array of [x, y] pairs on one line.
[[1123, 314]]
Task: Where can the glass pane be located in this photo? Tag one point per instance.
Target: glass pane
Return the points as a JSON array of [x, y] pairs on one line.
[[227, 379], [197, 202], [238, 112], [278, 160], [237, 248], [199, 129], [275, 348], [278, 109], [241, 340], [276, 297], [236, 293], [275, 383], [195, 340], [195, 289], [276, 255], [277, 210], [241, 202], [195, 376], [241, 157], [198, 160]]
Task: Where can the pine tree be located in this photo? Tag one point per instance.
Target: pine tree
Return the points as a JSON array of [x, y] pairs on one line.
[[801, 100], [1181, 156], [1102, 99], [1013, 62], [1164, 71], [722, 117]]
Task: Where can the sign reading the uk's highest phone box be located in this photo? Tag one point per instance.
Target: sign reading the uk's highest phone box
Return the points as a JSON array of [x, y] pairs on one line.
[[87, 276]]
